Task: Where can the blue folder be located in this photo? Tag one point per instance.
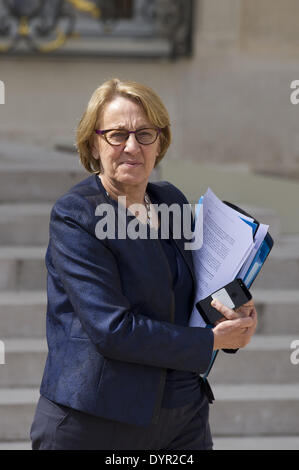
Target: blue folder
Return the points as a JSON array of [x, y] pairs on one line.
[[254, 268]]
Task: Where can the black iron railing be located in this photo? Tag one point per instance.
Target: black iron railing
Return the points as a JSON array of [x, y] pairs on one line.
[[144, 28]]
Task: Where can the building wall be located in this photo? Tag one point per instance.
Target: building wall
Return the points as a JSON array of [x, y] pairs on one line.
[[229, 103], [270, 26]]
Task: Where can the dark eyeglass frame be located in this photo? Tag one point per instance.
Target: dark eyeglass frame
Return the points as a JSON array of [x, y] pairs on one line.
[[104, 132]]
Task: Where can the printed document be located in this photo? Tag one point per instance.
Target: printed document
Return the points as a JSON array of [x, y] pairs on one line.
[[227, 244]]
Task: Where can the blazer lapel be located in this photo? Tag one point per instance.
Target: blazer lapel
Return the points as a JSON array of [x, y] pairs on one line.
[[186, 254], [158, 198]]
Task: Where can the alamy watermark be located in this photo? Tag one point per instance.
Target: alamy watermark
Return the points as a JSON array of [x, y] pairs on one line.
[[294, 97], [294, 357], [2, 92], [2, 352], [180, 216]]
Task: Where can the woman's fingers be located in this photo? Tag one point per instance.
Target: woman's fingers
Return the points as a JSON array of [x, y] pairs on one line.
[[233, 334], [246, 309], [227, 312], [253, 316], [236, 328]]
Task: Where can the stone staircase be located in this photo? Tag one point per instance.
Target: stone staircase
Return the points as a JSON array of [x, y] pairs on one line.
[[256, 390]]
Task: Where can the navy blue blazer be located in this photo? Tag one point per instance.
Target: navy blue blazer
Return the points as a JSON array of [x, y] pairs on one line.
[[110, 314]]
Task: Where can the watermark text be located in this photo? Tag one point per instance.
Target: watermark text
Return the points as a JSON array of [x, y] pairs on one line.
[[2, 92], [295, 354], [294, 97], [2, 352], [175, 218]]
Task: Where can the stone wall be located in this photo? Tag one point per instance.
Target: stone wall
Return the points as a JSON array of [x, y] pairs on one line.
[[229, 103]]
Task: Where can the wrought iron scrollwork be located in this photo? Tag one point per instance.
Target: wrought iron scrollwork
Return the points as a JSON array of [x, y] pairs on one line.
[[46, 26], [39, 24], [174, 22]]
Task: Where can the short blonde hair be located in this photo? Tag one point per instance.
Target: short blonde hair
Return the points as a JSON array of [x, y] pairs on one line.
[[151, 103]]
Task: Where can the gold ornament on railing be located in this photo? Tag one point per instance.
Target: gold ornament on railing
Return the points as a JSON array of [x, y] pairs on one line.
[[86, 7], [70, 26], [23, 12]]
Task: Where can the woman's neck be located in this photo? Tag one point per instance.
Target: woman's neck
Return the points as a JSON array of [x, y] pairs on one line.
[[134, 194]]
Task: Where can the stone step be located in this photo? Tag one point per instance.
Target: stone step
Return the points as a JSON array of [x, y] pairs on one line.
[[22, 268], [34, 173], [265, 359], [17, 445], [24, 362], [19, 185], [220, 443], [23, 314], [17, 408], [280, 271], [255, 409], [245, 443], [278, 310], [24, 224], [239, 410], [32, 184]]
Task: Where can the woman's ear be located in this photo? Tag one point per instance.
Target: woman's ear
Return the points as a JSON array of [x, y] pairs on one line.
[[94, 148], [158, 148]]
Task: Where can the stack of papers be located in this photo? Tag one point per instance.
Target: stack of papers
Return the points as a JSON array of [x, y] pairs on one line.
[[231, 243]]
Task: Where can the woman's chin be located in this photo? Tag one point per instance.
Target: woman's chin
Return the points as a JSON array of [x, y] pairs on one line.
[[132, 177]]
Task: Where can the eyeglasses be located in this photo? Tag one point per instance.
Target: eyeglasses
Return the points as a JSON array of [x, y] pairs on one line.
[[145, 136]]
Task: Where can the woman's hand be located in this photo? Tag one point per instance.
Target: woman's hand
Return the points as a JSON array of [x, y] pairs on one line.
[[229, 314], [236, 329]]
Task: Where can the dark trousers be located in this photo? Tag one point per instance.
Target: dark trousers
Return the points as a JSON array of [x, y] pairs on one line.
[[58, 427]]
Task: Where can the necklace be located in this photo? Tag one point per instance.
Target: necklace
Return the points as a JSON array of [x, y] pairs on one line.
[[147, 203]]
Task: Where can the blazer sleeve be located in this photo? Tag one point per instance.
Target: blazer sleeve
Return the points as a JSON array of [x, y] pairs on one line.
[[89, 274]]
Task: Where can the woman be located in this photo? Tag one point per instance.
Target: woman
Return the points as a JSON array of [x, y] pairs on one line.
[[123, 368]]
